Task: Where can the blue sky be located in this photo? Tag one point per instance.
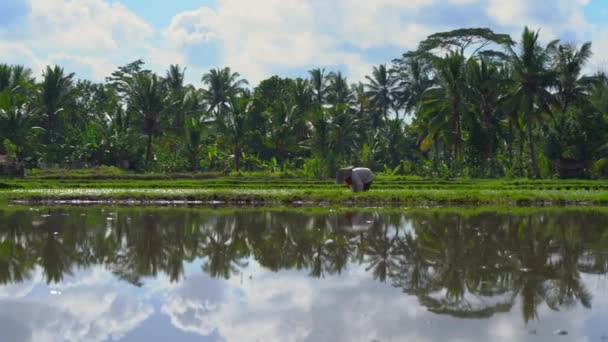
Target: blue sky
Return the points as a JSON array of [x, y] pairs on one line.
[[259, 38]]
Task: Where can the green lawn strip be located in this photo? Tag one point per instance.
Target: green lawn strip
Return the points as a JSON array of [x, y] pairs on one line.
[[336, 209], [319, 196]]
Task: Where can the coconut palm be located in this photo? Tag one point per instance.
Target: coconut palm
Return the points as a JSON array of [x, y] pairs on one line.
[[223, 85], [445, 104], [344, 131], [56, 91], [232, 125], [285, 119], [302, 94], [19, 124], [147, 98], [338, 90], [413, 75], [319, 82], [486, 89], [174, 81], [196, 127], [530, 96], [381, 87], [569, 64]]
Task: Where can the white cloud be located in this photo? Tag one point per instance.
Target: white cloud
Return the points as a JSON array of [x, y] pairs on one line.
[[192, 27], [89, 308], [257, 38], [85, 25], [88, 36], [265, 37]]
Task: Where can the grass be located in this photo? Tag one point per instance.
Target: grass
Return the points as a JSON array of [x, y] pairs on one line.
[[276, 190]]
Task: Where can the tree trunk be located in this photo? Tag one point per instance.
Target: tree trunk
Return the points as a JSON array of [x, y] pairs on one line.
[[533, 162], [489, 129], [458, 145], [521, 153], [194, 161], [237, 158], [149, 150], [510, 143]]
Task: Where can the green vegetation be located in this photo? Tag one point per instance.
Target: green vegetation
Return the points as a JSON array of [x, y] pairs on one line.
[[466, 103], [291, 189]]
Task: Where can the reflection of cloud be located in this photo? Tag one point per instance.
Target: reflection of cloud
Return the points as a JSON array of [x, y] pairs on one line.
[[193, 306], [19, 290], [80, 317], [291, 306], [89, 309], [190, 315]]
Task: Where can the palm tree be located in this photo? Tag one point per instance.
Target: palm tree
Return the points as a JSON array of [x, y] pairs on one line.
[[319, 82], [285, 118], [569, 63], [413, 75], [302, 94], [532, 78], [18, 124], [320, 134], [444, 105], [223, 85], [56, 91], [338, 90], [147, 98], [195, 133], [381, 87], [233, 126], [174, 81], [15, 78], [344, 132], [486, 89]]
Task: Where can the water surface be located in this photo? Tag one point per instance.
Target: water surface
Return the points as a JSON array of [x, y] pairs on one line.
[[141, 274]]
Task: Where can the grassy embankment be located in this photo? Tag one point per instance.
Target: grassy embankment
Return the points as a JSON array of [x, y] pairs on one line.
[[275, 189]]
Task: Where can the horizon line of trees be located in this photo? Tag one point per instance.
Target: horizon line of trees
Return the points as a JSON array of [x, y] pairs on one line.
[[479, 105]]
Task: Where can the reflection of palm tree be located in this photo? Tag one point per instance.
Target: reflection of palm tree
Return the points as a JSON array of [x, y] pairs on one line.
[[413, 273], [381, 252], [223, 256], [567, 287], [16, 259], [54, 257]]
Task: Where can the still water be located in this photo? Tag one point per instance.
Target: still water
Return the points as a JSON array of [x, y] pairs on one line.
[[140, 274]]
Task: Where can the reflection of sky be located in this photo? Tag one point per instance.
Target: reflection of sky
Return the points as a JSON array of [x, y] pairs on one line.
[[284, 306], [262, 305]]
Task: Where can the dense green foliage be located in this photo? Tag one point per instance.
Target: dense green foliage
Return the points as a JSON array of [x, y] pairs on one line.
[[467, 103]]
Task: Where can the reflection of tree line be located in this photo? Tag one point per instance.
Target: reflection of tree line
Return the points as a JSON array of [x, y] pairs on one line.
[[461, 266]]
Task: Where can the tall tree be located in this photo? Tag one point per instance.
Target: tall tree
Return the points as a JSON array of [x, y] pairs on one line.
[[486, 89], [413, 79], [459, 40], [56, 91], [445, 104], [232, 125], [381, 89], [223, 85], [319, 82], [174, 80], [148, 100], [569, 64], [338, 90], [531, 96]]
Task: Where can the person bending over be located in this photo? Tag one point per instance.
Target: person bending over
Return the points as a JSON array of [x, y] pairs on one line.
[[357, 178]]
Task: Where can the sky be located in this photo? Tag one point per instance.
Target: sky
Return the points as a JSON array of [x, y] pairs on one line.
[[261, 38]]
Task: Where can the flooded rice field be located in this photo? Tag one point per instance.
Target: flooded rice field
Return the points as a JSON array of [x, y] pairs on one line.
[[177, 274]]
